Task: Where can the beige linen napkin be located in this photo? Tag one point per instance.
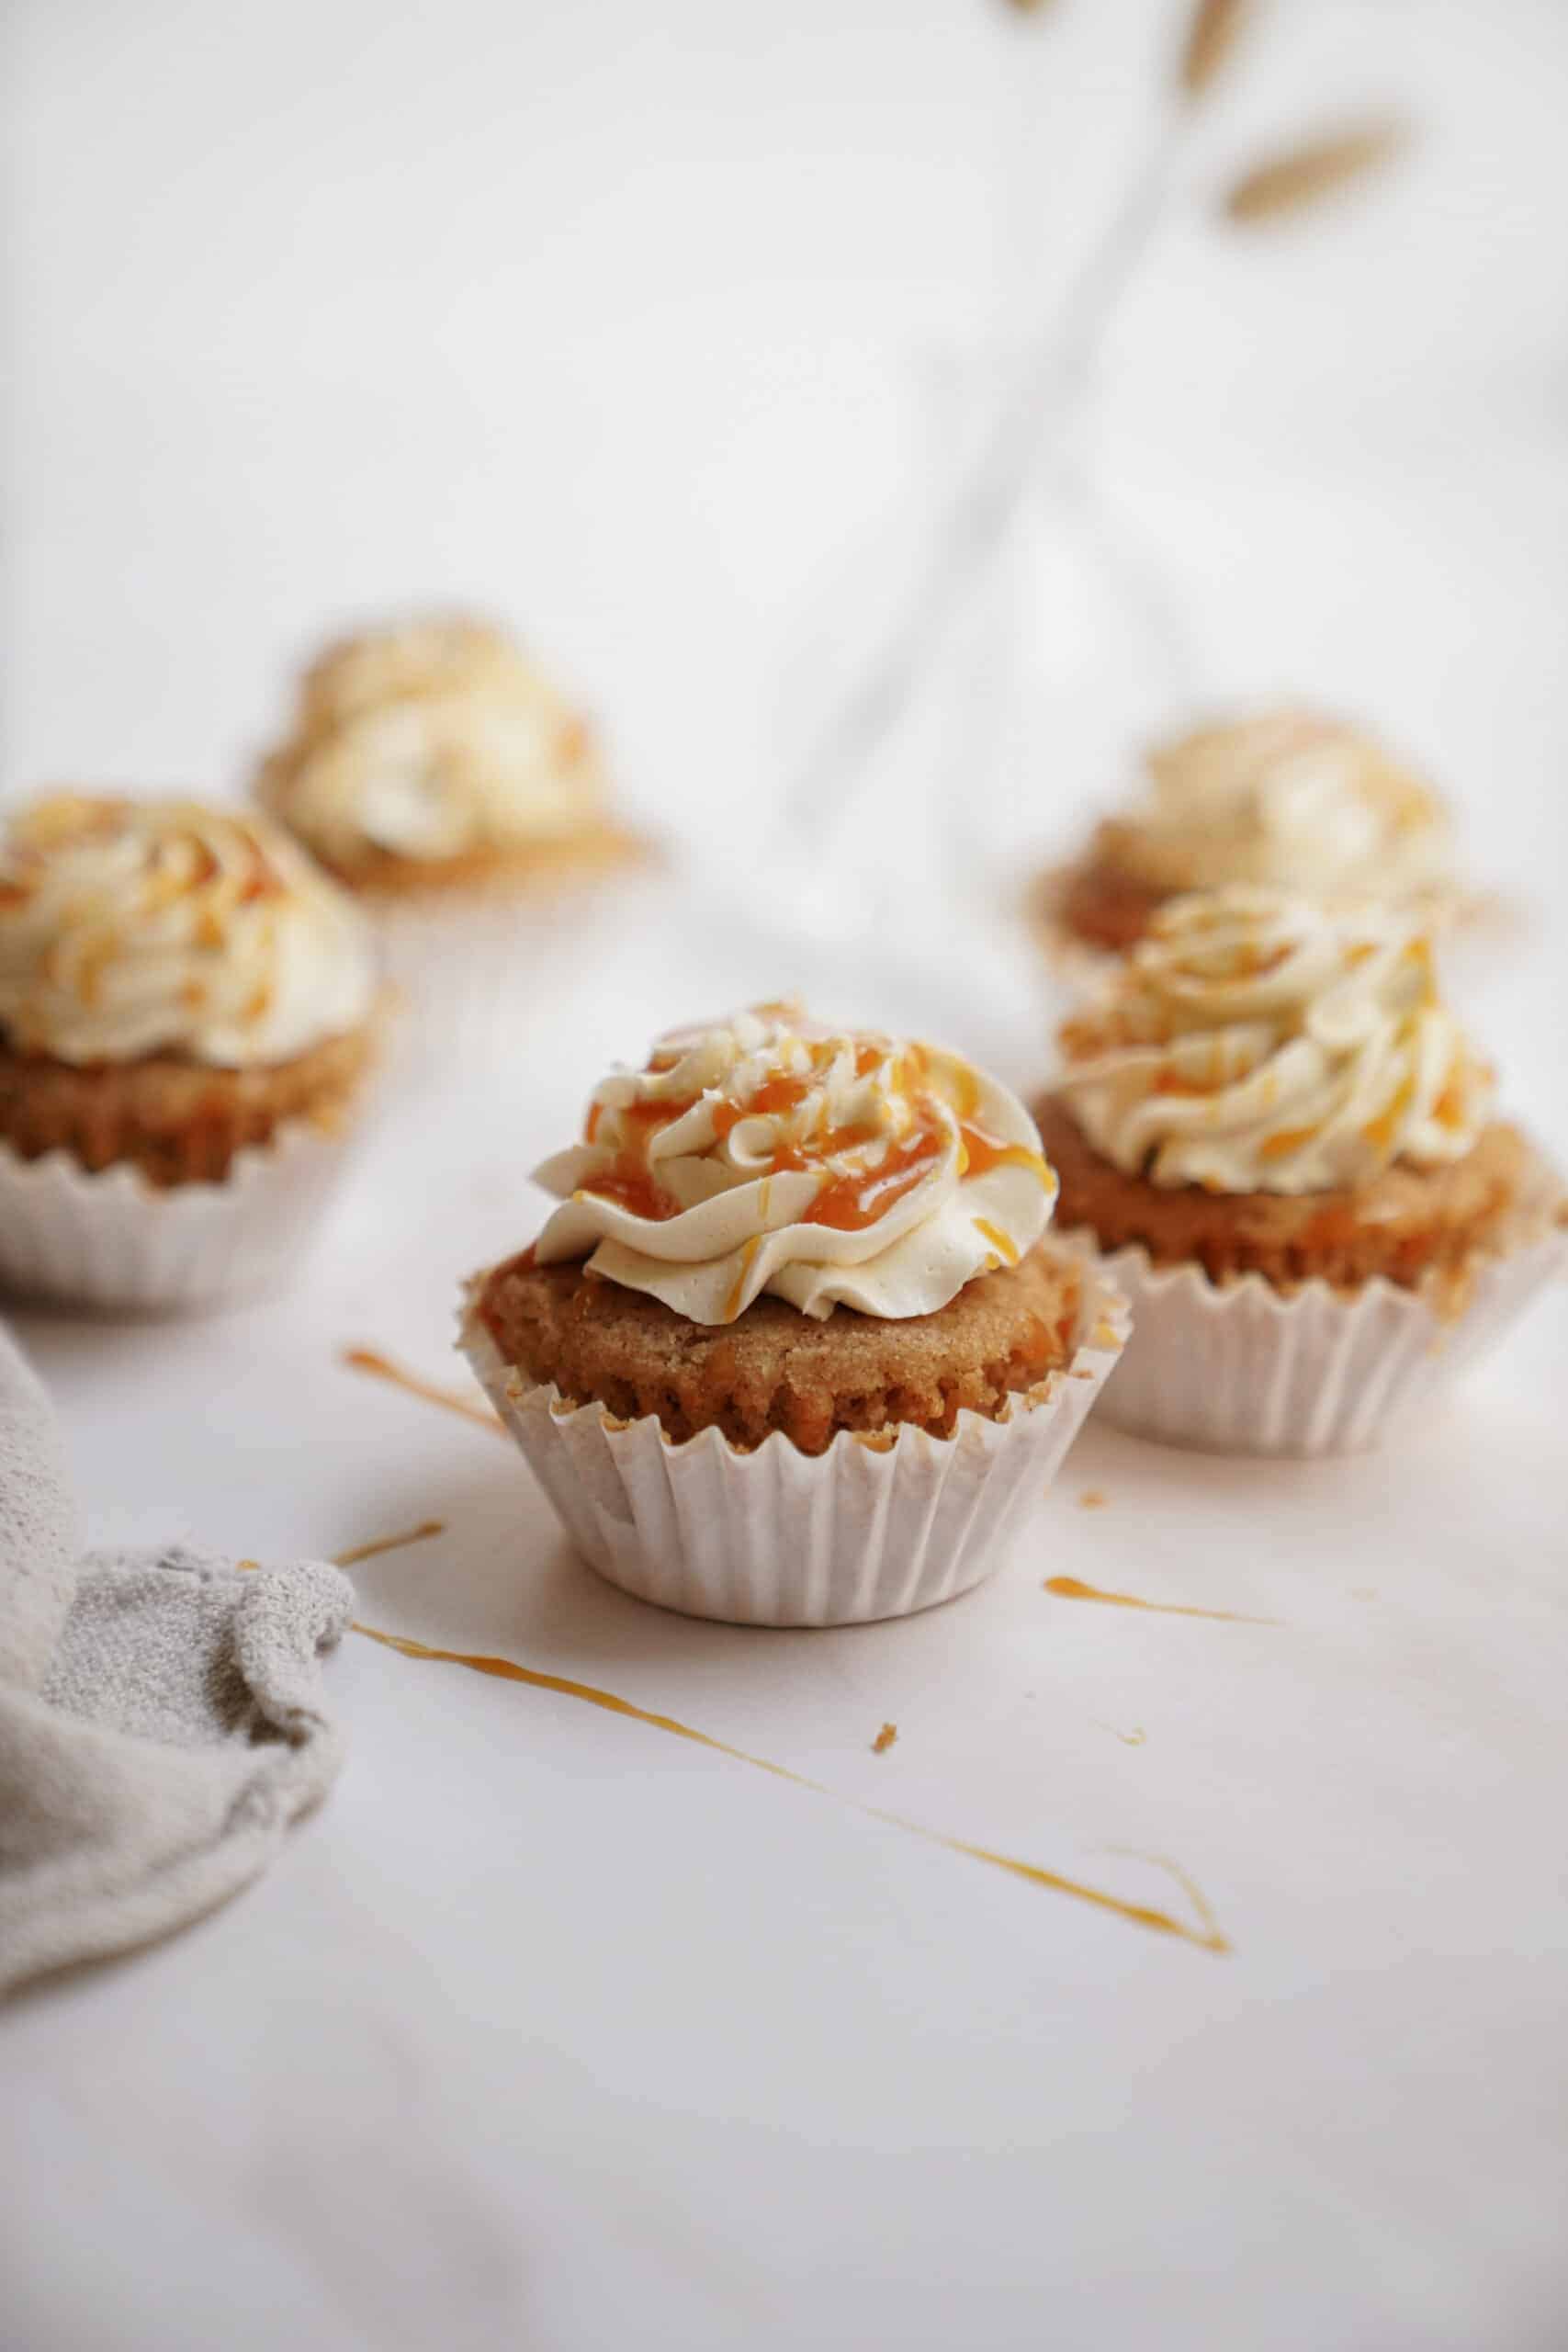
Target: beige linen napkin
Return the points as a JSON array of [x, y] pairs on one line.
[[162, 1717]]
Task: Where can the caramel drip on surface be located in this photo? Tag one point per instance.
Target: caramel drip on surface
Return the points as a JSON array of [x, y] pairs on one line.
[[1073, 1589], [1206, 1934], [381, 1367], [358, 1551]]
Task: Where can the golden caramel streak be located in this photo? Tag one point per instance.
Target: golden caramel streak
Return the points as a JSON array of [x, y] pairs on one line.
[[419, 1535], [1206, 1935], [1073, 1589], [381, 1367]]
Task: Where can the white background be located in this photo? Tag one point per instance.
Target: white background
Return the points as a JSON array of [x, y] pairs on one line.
[[551, 2031]]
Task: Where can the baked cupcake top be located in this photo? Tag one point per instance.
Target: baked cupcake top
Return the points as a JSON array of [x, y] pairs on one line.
[[827, 1166], [431, 742], [137, 927], [1285, 800], [1256, 1043]]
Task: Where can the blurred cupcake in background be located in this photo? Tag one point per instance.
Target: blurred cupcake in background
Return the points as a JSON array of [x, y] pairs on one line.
[[793, 1349], [436, 771], [1281, 800], [188, 1017], [1277, 1140]]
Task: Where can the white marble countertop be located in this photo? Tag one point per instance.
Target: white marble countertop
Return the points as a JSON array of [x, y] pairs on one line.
[[553, 2029]]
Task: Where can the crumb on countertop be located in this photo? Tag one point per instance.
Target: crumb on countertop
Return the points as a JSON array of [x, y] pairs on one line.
[[885, 1739]]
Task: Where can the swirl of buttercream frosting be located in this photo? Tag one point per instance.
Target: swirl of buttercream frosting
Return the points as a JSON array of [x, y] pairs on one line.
[[433, 741], [132, 927], [1257, 1043], [1284, 799], [827, 1167]]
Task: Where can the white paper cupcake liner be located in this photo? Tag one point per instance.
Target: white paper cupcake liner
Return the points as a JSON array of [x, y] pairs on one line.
[[470, 971], [871, 1528], [1239, 1368], [463, 971], [113, 1240]]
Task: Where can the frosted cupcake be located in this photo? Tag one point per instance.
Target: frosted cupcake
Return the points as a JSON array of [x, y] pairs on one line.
[[1281, 1146], [187, 1009], [792, 1351], [1283, 800], [436, 771]]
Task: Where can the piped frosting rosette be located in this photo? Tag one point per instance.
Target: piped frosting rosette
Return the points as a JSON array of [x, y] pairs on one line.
[[131, 927], [765, 1155], [161, 960], [768, 1154], [1260, 1044], [1282, 798], [1254, 1045], [1286, 798]]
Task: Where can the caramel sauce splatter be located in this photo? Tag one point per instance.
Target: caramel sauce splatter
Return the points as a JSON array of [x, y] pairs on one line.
[[1284, 1139], [381, 1367], [1000, 1243], [1205, 1933], [1091, 1498], [737, 1288], [419, 1535], [885, 1739], [1073, 1589], [1381, 1132], [980, 1153]]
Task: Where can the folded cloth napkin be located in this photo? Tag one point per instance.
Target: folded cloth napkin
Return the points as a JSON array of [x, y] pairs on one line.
[[161, 1718]]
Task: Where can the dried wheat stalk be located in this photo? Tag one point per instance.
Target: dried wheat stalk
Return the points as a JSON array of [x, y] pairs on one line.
[[1216, 26], [1288, 183]]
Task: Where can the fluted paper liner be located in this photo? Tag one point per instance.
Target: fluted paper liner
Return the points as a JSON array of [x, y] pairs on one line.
[[113, 1240], [471, 967], [1239, 1367], [877, 1526]]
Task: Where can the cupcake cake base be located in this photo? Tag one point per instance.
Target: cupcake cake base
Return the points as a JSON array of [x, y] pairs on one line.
[[902, 1494]]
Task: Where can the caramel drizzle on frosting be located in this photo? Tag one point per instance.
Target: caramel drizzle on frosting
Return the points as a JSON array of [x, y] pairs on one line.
[[924, 1087]]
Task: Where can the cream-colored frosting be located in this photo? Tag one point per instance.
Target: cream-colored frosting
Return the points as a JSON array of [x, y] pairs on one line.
[[1287, 800], [827, 1167], [131, 927], [1257, 1043], [437, 740]]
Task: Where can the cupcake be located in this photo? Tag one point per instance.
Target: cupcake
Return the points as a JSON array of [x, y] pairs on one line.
[[792, 1351], [437, 773], [1284, 801], [186, 1021], [1275, 1139]]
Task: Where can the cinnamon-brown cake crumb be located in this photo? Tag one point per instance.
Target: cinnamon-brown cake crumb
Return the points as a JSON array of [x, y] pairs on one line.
[[1408, 1225], [885, 1739], [775, 1368], [1098, 902], [179, 1121]]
